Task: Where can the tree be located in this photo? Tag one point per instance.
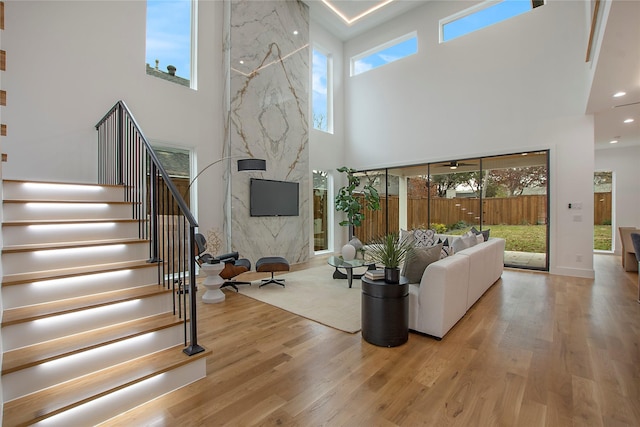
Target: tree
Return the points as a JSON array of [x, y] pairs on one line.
[[515, 180], [600, 178], [451, 181], [348, 203], [319, 121]]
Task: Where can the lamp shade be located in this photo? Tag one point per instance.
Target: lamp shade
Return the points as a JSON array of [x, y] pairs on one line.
[[252, 165]]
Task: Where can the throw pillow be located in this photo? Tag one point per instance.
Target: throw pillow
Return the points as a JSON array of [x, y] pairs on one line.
[[446, 251], [422, 257], [469, 239], [458, 244], [424, 238], [485, 233], [444, 242], [407, 235]]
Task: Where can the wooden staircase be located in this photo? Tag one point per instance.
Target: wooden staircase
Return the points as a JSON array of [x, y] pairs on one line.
[[87, 331]]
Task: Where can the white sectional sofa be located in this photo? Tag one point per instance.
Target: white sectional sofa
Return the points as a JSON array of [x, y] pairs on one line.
[[450, 286]]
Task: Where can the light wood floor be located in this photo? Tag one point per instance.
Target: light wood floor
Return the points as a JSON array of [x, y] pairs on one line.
[[536, 350]]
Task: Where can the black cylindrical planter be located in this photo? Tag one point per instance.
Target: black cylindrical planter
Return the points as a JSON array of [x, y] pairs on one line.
[[392, 275], [385, 312]]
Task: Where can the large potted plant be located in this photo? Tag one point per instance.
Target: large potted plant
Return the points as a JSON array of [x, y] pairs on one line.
[[349, 203], [391, 251]]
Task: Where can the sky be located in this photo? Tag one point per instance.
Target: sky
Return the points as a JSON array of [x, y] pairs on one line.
[[169, 35], [319, 86], [485, 17]]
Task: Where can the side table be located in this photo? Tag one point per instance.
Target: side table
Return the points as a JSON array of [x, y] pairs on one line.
[[212, 283], [385, 312]]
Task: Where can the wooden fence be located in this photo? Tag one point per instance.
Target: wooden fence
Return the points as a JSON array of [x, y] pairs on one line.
[[602, 209], [519, 210]]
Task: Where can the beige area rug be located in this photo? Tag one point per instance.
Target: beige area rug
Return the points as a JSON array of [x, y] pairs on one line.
[[314, 294]]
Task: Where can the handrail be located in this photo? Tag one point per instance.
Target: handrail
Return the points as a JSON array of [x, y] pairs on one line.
[[126, 158], [172, 187]]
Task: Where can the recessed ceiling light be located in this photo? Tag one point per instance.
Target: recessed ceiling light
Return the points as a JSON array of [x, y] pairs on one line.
[[295, 32], [241, 61], [613, 141], [628, 121], [619, 94]]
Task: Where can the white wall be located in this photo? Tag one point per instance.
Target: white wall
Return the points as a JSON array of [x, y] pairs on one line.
[[516, 86], [71, 61], [326, 150], [623, 162]]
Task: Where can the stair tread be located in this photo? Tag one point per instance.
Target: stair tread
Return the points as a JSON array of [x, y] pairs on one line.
[[20, 278], [104, 202], [53, 400], [70, 245], [25, 357], [39, 311], [88, 184], [66, 221]]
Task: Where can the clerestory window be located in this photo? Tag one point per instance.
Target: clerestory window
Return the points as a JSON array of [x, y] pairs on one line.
[[170, 41], [322, 91], [384, 54], [483, 15]]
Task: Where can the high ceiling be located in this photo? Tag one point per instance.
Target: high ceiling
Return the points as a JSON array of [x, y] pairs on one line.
[[617, 68]]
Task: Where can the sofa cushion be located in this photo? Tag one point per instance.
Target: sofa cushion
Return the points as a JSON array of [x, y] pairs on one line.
[[421, 259]]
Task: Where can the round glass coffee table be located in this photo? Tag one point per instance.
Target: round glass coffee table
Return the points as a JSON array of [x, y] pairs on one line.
[[339, 262]]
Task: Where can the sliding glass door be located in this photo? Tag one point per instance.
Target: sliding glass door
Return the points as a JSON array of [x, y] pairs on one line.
[[515, 206], [507, 194]]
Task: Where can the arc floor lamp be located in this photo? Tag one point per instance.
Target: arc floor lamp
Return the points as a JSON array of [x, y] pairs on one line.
[[244, 165]]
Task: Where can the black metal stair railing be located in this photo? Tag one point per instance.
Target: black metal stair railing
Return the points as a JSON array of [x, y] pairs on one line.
[[126, 158]]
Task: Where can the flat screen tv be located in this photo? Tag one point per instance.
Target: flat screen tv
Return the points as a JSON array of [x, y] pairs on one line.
[[273, 198]]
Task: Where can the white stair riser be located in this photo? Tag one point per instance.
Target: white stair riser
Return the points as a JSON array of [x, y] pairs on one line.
[[29, 261], [77, 232], [30, 380], [77, 286], [28, 333], [52, 191], [107, 407], [34, 211]]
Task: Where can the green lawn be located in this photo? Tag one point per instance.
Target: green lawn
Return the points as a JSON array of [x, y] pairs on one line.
[[531, 238], [602, 237]]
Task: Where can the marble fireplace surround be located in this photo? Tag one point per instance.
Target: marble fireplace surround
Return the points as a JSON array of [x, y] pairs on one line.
[[266, 70]]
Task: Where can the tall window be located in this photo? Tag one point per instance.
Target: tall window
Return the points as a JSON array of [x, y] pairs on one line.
[[384, 54], [483, 15], [169, 43], [320, 211], [602, 210], [321, 91]]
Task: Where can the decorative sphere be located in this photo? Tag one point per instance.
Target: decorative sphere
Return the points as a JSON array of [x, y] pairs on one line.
[[348, 252]]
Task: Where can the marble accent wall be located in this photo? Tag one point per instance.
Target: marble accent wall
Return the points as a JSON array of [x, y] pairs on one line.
[[267, 65]]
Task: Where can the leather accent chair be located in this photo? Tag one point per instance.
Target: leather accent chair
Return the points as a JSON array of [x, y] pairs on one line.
[[233, 264]]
